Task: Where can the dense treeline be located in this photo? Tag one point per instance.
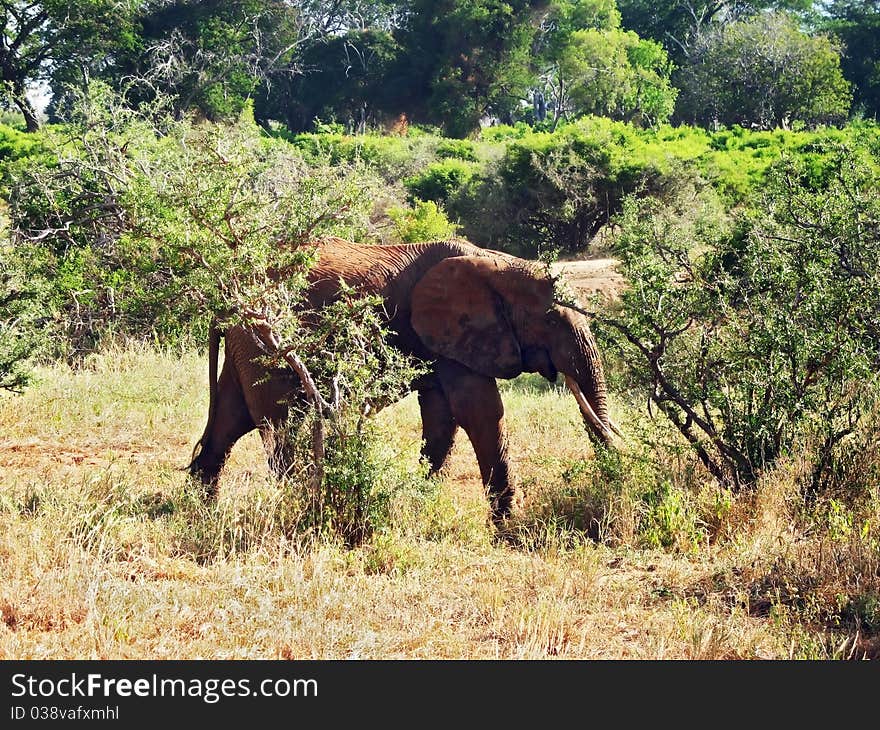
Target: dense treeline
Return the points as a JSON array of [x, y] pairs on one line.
[[456, 63]]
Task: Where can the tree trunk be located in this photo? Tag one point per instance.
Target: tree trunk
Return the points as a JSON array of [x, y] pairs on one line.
[[31, 120]]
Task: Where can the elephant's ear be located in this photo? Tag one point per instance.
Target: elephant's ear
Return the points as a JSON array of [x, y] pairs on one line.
[[461, 309]]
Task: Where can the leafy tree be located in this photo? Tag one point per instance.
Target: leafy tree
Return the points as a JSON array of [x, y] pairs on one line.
[[213, 55], [856, 23], [588, 65], [678, 24], [353, 78], [50, 39], [445, 63], [613, 73], [465, 59], [675, 23], [758, 334], [762, 72]]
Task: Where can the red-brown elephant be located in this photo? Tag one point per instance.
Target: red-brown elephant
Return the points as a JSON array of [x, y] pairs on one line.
[[474, 314]]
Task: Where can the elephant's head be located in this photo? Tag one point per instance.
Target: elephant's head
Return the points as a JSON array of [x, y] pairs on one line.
[[496, 315]]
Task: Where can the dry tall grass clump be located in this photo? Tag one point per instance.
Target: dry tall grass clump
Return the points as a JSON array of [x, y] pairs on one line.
[[108, 551]]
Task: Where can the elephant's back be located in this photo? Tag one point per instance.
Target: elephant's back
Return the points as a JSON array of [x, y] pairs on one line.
[[374, 269], [338, 258]]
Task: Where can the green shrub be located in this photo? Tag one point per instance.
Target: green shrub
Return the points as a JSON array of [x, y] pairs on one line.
[[650, 495], [462, 149], [755, 331], [111, 269], [15, 144], [555, 191], [440, 181], [667, 519], [16, 147], [392, 157], [504, 132], [528, 191], [425, 221], [23, 317]]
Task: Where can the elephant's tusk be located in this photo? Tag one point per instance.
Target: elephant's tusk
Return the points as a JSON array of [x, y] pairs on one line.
[[587, 409], [614, 427]]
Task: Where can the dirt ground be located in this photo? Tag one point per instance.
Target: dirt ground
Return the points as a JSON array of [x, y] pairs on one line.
[[592, 276]]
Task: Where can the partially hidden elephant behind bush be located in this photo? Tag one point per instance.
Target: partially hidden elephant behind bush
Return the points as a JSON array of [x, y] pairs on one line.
[[472, 314]]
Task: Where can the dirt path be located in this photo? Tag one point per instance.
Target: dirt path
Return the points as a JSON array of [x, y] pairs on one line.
[[593, 276]]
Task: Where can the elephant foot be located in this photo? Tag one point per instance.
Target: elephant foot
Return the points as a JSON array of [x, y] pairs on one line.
[[208, 488], [501, 503], [207, 478], [210, 492]]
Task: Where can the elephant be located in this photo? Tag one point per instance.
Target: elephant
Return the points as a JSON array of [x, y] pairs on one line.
[[470, 314]]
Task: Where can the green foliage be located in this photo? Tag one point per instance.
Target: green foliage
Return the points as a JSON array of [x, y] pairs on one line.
[[754, 332], [566, 16], [25, 314], [13, 119], [425, 221], [501, 133], [678, 25], [392, 157], [619, 75], [21, 317], [589, 65], [179, 204], [16, 145], [472, 56], [532, 192], [557, 190], [440, 181], [647, 496], [451, 64], [441, 63], [45, 38], [856, 25], [796, 77], [462, 149], [356, 79], [737, 161], [210, 56], [667, 519]]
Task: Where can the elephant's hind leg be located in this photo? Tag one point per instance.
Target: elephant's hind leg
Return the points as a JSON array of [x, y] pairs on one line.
[[438, 427], [230, 422], [476, 406]]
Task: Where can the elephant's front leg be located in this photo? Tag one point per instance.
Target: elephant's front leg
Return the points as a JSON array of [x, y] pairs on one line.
[[476, 406], [438, 426]]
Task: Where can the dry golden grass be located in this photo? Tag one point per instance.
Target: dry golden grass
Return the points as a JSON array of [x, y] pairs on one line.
[[107, 552]]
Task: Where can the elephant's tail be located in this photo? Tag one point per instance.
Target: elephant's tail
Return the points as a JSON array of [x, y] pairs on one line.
[[214, 335]]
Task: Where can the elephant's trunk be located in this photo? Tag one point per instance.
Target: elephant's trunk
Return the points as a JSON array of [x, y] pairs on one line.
[[593, 420], [580, 364]]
